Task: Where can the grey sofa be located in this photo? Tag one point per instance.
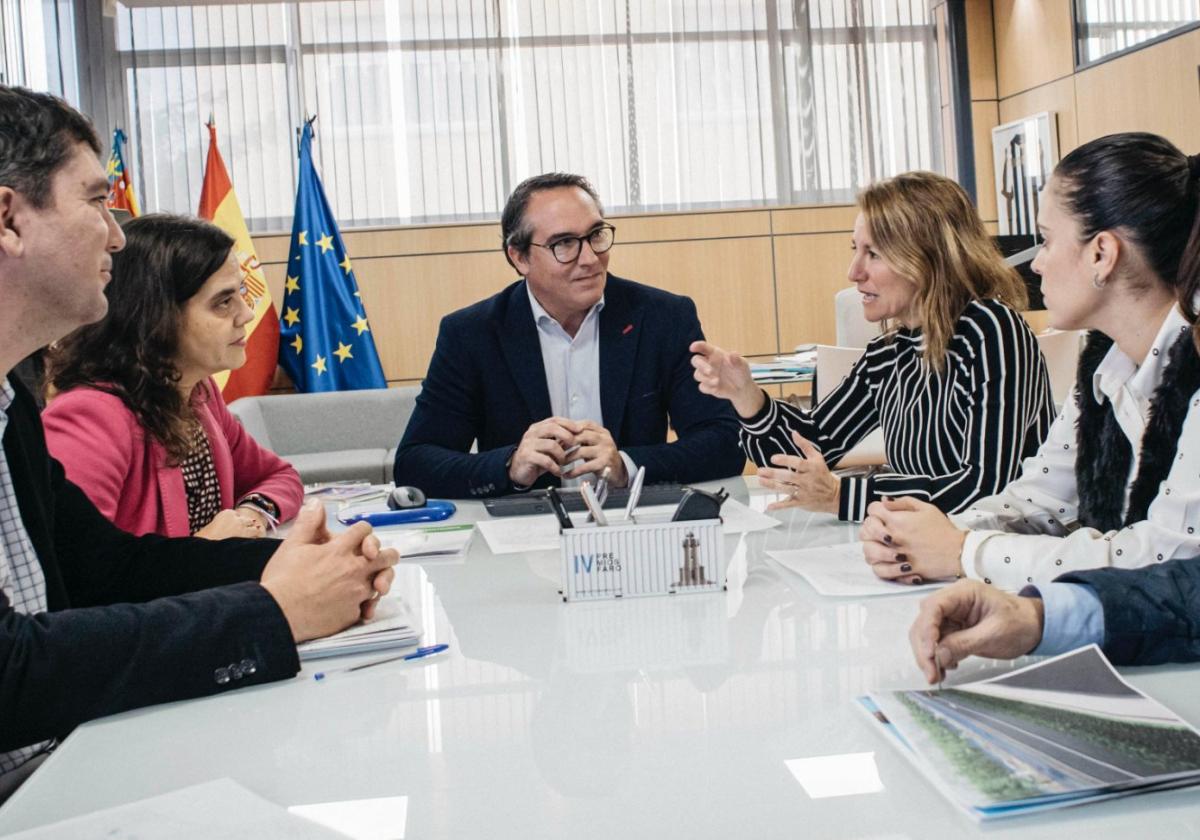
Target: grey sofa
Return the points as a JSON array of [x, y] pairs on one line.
[[340, 436]]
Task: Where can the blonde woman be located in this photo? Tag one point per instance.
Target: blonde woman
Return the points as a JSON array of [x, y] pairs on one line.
[[956, 380]]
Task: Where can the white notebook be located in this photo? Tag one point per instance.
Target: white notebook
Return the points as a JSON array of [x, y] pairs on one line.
[[392, 627]]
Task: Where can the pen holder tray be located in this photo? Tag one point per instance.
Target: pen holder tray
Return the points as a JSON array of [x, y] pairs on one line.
[[642, 558]]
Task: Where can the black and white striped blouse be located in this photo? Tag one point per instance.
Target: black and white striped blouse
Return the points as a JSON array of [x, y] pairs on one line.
[[951, 438]]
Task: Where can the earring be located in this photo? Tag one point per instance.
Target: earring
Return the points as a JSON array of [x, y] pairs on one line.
[[1097, 282]]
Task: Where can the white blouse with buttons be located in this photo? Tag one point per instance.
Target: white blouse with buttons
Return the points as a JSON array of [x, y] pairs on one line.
[[1029, 533]]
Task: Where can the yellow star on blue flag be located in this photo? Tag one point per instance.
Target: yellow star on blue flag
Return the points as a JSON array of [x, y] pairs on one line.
[[324, 290]]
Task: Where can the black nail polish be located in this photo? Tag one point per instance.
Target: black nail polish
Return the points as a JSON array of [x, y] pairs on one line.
[[901, 558], [887, 539], [917, 581], [907, 567]]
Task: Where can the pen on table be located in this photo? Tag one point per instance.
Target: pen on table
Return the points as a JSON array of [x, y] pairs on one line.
[[593, 506], [560, 510], [601, 490], [602, 486], [419, 653], [635, 492]]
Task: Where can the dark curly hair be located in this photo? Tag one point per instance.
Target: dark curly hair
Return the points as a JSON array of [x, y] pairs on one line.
[[38, 132], [131, 353]]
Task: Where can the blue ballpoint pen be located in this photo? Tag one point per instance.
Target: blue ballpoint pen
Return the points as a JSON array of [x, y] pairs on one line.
[[419, 653]]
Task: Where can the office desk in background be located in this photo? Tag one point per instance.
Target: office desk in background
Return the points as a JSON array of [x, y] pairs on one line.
[[723, 715]]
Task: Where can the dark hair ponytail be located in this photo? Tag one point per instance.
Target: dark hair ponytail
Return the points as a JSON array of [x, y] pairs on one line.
[[1143, 186], [1189, 264]]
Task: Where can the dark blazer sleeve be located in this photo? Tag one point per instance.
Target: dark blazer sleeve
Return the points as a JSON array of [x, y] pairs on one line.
[[60, 669], [110, 640], [434, 453], [1151, 614], [707, 428]]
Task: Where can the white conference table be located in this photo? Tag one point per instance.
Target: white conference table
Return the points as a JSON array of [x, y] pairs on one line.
[[655, 717]]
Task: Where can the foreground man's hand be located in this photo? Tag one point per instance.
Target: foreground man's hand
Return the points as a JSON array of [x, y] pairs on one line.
[[972, 618], [323, 582]]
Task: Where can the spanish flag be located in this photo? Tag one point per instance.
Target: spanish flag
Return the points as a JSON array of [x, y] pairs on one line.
[[219, 204], [120, 179]]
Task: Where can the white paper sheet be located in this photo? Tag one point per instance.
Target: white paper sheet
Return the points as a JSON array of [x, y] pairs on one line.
[[217, 810], [519, 534], [841, 571], [423, 543]]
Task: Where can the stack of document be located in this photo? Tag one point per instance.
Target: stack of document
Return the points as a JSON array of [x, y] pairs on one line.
[[392, 627], [790, 368], [1063, 732]]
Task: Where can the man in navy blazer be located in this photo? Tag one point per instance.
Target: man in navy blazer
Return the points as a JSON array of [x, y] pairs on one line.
[[1144, 616], [566, 372]]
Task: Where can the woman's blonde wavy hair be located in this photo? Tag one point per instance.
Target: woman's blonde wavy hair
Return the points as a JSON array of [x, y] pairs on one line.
[[926, 229]]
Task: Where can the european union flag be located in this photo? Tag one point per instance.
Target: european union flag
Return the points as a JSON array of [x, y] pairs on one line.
[[325, 343]]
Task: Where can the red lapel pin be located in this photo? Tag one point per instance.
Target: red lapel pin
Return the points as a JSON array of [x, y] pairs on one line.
[[628, 329]]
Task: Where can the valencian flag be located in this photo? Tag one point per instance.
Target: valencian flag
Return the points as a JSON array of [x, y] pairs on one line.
[[219, 204], [325, 341], [120, 179]]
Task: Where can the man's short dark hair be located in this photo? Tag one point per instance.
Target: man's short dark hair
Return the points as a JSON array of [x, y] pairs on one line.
[[38, 133], [515, 233]]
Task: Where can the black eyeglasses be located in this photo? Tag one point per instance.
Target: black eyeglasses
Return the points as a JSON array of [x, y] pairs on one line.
[[568, 249]]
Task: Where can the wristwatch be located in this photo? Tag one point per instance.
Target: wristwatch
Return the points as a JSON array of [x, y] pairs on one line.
[[263, 505]]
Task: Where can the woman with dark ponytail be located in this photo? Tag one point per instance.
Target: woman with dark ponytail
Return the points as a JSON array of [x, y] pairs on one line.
[[1117, 482]]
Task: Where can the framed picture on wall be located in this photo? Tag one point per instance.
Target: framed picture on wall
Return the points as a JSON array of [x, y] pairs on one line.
[[1024, 154]]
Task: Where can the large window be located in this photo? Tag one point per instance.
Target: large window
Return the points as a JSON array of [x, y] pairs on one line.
[[36, 46], [1105, 27], [434, 110]]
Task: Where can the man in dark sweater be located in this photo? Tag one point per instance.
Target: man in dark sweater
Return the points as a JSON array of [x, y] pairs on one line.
[[93, 620], [1143, 616]]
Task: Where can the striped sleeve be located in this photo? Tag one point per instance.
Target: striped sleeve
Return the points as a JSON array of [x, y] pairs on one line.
[[846, 415], [1005, 392]]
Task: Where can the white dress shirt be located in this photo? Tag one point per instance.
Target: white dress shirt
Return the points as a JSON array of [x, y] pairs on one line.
[[572, 366], [1029, 533]]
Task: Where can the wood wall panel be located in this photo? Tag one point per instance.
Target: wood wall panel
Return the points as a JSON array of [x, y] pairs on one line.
[[407, 297], [1033, 43], [1057, 97], [981, 50], [813, 219], [669, 227], [985, 116], [731, 281], [810, 271], [1155, 89]]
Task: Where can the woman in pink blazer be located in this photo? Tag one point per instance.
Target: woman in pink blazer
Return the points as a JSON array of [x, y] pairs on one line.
[[136, 419]]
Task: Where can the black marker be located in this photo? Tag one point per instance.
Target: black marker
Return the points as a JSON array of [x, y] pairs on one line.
[[560, 510]]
